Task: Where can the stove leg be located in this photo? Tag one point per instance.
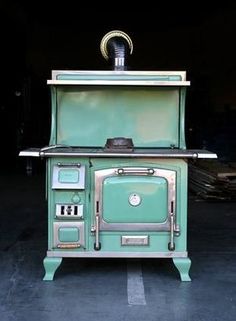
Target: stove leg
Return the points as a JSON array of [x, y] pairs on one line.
[[51, 264], [183, 266]]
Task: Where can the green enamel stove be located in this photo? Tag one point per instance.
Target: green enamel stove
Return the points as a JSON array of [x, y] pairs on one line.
[[117, 166]]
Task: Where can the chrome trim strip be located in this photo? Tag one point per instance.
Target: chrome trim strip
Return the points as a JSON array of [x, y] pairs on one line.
[[188, 154], [56, 73], [101, 175], [134, 240], [112, 155], [206, 155], [35, 153], [114, 254], [119, 82]]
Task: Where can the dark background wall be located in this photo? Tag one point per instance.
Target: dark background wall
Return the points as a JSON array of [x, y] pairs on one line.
[[37, 37]]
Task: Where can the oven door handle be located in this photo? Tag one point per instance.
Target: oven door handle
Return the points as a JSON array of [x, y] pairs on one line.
[[97, 244], [171, 244], [135, 171]]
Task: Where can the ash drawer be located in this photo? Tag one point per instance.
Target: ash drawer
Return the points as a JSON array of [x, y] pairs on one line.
[[68, 235]]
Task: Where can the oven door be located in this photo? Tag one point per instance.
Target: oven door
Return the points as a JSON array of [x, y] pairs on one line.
[[134, 199]]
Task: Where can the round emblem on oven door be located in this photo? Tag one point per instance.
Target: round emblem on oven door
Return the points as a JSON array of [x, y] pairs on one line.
[[134, 199]]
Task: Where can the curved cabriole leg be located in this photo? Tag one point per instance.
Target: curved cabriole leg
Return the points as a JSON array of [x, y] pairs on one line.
[[51, 264], [183, 266]]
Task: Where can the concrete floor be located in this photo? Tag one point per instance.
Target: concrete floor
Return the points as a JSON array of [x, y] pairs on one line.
[[86, 289]]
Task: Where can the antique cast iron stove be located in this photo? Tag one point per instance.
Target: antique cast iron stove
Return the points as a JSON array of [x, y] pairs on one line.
[[117, 163]]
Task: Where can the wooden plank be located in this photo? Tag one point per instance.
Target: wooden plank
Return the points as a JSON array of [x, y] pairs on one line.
[[213, 180]]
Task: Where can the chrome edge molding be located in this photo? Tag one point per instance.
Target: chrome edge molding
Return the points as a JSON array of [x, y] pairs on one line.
[[56, 73], [101, 175], [75, 253], [119, 82]]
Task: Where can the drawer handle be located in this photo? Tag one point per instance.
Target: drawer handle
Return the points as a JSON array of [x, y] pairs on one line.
[[135, 171], [68, 246]]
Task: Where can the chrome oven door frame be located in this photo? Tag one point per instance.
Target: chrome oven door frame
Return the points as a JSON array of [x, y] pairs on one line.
[[101, 175]]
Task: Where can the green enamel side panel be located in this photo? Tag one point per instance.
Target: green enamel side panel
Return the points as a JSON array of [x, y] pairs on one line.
[[68, 176], [51, 205], [135, 199], [182, 143], [68, 234], [88, 115], [53, 116]]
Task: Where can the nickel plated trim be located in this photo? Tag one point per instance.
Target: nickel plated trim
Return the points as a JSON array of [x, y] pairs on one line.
[[187, 154], [119, 82], [61, 253], [101, 175], [134, 240], [30, 153], [56, 73], [130, 155], [206, 155], [111, 34], [79, 216]]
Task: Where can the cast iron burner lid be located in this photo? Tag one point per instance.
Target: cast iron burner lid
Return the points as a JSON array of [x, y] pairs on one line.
[[119, 144]]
